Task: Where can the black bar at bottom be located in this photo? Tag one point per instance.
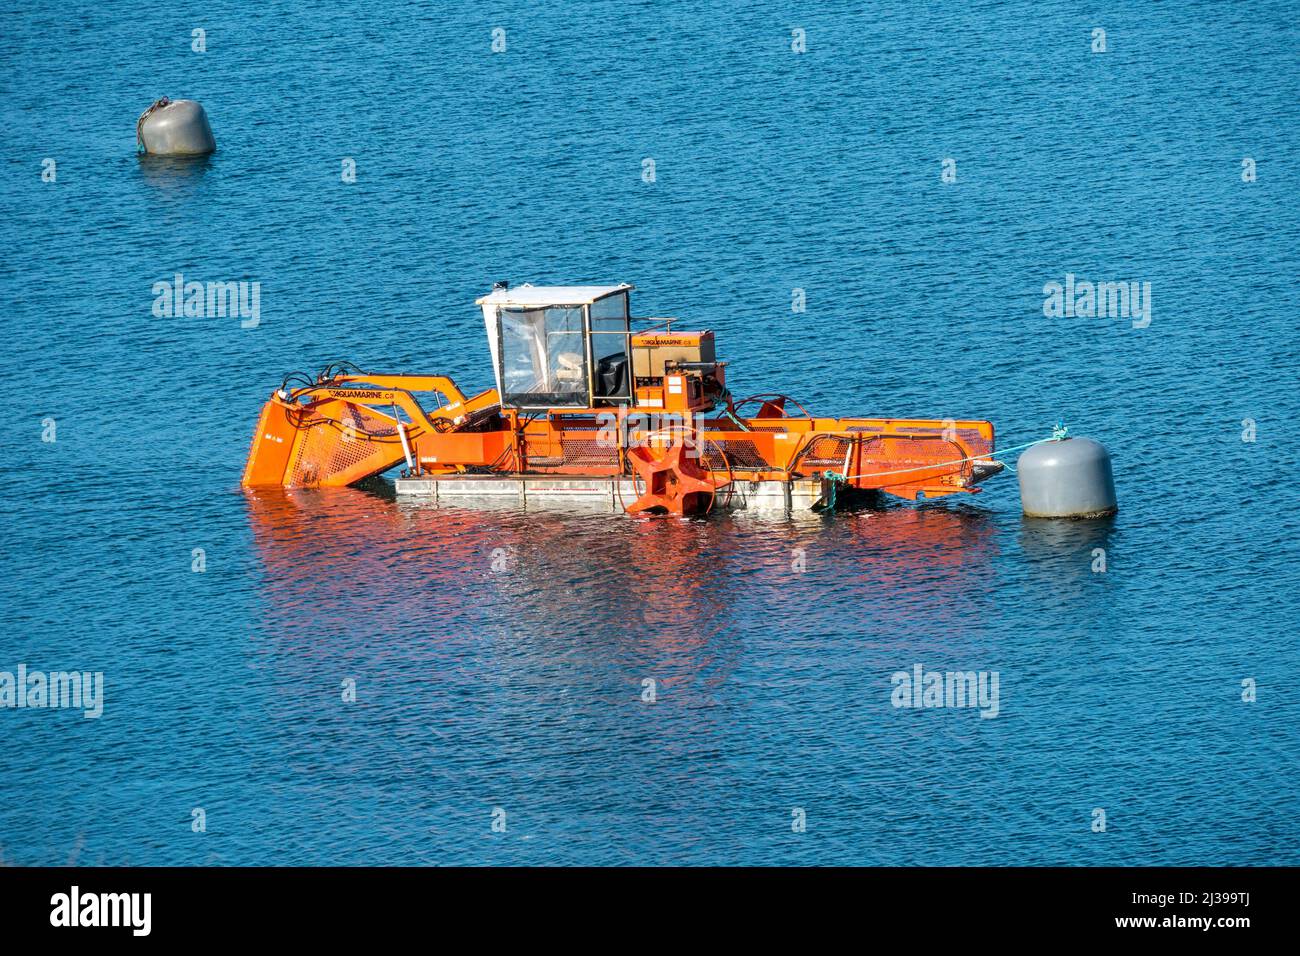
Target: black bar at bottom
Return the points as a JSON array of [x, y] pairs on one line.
[[333, 905]]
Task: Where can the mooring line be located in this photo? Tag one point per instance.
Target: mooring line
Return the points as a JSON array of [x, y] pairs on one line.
[[1059, 432]]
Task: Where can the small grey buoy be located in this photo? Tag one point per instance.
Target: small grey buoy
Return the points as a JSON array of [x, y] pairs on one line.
[[1069, 478], [174, 128]]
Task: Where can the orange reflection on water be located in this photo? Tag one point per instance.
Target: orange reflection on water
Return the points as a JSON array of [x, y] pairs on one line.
[[339, 561]]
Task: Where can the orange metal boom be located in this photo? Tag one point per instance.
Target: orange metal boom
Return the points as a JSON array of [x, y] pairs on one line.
[[330, 435]]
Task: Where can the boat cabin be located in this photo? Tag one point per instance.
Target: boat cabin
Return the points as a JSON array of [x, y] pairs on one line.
[[559, 346]]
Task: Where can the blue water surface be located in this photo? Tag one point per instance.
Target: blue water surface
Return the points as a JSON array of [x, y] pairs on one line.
[[771, 641]]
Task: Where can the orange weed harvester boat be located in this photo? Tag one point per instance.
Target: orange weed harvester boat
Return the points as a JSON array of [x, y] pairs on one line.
[[587, 409]]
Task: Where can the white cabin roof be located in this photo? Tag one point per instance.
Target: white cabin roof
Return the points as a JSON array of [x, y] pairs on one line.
[[531, 296]]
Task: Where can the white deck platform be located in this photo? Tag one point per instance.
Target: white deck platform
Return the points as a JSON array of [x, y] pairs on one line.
[[532, 492]]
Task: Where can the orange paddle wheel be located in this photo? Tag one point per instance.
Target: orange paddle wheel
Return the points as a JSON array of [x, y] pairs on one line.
[[678, 476]]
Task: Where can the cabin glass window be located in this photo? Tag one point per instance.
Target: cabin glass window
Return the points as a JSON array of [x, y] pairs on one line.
[[543, 357], [610, 347]]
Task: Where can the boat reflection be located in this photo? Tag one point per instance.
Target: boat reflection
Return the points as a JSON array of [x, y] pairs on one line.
[[336, 560], [595, 585]]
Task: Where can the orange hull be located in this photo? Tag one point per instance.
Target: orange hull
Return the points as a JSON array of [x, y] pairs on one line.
[[333, 434]]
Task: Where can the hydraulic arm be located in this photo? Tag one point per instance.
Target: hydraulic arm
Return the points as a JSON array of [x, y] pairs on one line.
[[346, 427]]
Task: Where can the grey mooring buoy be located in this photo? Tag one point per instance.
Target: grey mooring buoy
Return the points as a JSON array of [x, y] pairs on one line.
[[174, 128], [1069, 478]]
